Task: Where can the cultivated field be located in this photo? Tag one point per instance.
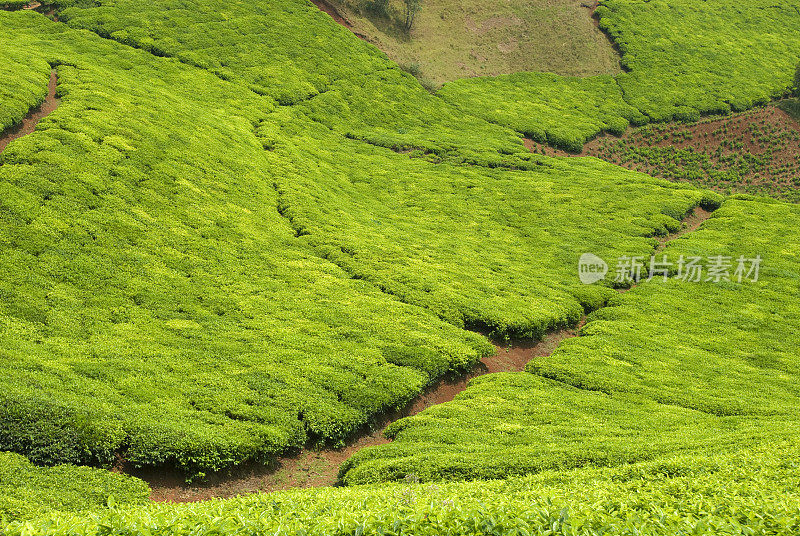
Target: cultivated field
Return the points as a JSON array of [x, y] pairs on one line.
[[236, 236]]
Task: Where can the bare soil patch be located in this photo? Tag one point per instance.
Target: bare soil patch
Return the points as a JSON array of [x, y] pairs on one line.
[[331, 10]]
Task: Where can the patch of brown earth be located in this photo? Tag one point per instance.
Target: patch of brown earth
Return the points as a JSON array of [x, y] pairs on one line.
[[315, 468], [331, 10], [757, 152], [30, 121]]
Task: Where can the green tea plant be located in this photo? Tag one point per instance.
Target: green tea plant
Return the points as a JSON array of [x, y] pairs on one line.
[[24, 85], [155, 303], [27, 491], [221, 280], [686, 58], [291, 51], [752, 491], [564, 112], [663, 368]]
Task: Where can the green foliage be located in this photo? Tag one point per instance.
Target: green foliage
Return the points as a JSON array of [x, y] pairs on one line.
[[707, 343], [754, 492], [154, 300], [564, 112], [796, 87], [27, 491], [164, 294], [687, 58], [684, 59], [291, 51], [488, 248], [667, 366], [510, 424], [24, 84], [791, 107]]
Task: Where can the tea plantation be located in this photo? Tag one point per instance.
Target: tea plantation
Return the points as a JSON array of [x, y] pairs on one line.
[[245, 232], [667, 366], [705, 495]]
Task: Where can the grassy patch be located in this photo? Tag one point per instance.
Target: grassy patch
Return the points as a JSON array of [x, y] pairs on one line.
[[449, 42]]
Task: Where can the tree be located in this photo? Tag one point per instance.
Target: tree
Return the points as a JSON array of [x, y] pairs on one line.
[[412, 7]]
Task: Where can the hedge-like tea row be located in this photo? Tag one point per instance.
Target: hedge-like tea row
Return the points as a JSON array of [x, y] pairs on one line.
[[155, 302], [24, 85], [487, 248], [27, 491], [753, 491], [667, 366], [564, 112], [688, 58], [296, 54], [510, 424], [168, 290]]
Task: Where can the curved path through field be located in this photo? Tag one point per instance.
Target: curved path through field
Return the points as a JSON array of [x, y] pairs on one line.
[[315, 468]]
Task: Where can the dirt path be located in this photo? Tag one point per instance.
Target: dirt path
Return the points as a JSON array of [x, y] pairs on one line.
[[314, 468], [30, 121]]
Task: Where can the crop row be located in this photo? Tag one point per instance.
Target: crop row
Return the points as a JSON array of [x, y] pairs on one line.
[[753, 491], [755, 152], [154, 301], [24, 85], [27, 491], [195, 276]]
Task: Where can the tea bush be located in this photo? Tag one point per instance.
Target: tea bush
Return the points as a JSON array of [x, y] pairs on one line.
[[564, 112], [195, 276], [294, 53], [687, 58], [752, 491], [155, 302], [667, 366], [24, 85], [27, 491]]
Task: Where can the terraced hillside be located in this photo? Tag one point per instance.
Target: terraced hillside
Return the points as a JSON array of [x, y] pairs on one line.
[[245, 232]]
